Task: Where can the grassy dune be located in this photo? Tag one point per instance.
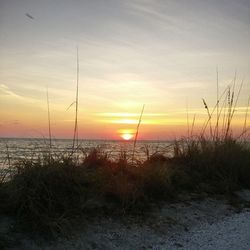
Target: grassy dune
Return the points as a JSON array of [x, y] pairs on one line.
[[48, 195]]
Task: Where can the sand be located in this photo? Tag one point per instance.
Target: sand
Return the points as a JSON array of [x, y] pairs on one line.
[[193, 223]]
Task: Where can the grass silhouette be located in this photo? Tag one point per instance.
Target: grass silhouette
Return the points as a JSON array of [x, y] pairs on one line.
[[49, 194]]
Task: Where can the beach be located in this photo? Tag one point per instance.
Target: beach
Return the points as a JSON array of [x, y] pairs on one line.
[[193, 223]]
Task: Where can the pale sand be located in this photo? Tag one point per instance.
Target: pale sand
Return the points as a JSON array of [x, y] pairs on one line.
[[210, 223]]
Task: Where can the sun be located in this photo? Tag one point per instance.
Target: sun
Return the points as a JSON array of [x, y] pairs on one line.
[[127, 136]]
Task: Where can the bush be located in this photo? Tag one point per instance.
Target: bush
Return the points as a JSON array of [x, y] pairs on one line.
[[49, 194], [224, 164], [46, 195]]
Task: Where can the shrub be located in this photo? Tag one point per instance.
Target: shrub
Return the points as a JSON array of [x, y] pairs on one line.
[[46, 195], [224, 164]]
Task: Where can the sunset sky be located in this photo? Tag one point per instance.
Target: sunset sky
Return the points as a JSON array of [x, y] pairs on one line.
[[161, 53]]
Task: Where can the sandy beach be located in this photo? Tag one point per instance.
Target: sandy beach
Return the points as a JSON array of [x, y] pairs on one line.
[[193, 223]]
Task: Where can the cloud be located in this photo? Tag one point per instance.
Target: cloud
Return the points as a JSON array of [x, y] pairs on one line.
[[4, 90], [9, 122], [120, 115], [14, 122]]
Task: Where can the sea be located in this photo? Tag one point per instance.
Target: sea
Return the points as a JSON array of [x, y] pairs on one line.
[[13, 150]]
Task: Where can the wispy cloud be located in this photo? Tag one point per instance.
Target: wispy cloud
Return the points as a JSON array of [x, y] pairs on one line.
[[5, 91], [130, 114], [10, 123]]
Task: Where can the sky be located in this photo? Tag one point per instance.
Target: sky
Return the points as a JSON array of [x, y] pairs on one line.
[[161, 53]]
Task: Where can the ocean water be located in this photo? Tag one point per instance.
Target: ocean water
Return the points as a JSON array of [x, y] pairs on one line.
[[14, 149]]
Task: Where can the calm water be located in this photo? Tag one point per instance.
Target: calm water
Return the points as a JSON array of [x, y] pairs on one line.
[[13, 149]]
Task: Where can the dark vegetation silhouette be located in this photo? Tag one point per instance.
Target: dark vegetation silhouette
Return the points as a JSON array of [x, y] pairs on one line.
[[49, 194]]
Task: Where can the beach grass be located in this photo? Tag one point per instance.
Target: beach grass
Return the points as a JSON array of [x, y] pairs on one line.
[[48, 194]]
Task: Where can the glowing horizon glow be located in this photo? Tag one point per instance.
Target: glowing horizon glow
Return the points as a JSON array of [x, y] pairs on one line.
[[127, 136]]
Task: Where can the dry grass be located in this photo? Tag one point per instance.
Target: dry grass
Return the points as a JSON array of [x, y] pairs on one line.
[[49, 194]]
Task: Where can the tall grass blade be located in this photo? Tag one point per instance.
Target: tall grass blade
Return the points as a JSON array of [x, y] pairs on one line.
[[217, 103], [70, 105], [246, 115], [230, 106], [237, 98], [192, 128], [49, 123], [75, 137], [188, 127], [137, 131], [208, 121]]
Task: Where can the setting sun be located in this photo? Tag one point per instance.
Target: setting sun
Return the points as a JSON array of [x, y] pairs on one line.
[[127, 136]]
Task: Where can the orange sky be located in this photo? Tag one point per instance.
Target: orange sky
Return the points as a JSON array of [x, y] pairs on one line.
[[163, 54]]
